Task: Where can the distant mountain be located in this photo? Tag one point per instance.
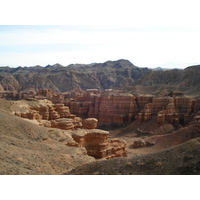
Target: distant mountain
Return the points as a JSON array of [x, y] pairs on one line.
[[190, 76], [111, 74]]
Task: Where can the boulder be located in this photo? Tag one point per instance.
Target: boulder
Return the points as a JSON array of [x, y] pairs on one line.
[[142, 143]]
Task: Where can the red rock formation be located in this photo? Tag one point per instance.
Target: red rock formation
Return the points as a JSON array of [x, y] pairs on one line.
[[178, 111], [42, 110], [144, 115], [62, 110], [53, 115], [63, 123], [56, 99], [77, 121], [81, 109], [45, 93], [33, 115], [113, 109], [90, 123], [157, 105], [184, 105], [96, 143], [168, 115], [143, 100]]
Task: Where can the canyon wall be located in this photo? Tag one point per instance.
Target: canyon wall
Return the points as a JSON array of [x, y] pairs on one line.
[[83, 132], [111, 107], [123, 109]]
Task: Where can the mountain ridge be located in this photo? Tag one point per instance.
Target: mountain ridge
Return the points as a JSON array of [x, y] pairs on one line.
[[107, 75]]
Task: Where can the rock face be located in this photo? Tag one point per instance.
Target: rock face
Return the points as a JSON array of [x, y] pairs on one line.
[[52, 115], [90, 123], [62, 123], [96, 143], [107, 109], [33, 115], [123, 109], [83, 132], [113, 107]]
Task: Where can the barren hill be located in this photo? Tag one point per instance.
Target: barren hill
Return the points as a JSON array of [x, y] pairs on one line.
[[111, 74]]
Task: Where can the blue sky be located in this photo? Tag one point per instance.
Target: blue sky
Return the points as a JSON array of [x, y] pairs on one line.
[[148, 33]]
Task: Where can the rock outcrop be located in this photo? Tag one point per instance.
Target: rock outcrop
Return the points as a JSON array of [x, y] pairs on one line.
[[90, 123], [142, 143], [52, 115], [114, 107], [107, 109], [97, 145]]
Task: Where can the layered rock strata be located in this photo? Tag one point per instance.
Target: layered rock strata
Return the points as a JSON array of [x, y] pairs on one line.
[[52, 115], [112, 107], [97, 145]]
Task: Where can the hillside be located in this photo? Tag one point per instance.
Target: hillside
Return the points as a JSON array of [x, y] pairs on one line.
[[27, 148], [182, 159], [61, 79], [190, 76], [111, 74]]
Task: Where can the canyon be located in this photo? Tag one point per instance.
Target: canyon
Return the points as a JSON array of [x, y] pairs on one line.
[[98, 113]]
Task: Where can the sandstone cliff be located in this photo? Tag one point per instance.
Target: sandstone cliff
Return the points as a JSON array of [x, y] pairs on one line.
[[84, 134], [97, 145]]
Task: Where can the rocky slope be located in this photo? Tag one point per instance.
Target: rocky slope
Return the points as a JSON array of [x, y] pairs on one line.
[[60, 79], [57, 116], [27, 148], [111, 74], [183, 159]]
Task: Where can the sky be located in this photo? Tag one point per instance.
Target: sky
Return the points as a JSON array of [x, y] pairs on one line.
[[147, 33]]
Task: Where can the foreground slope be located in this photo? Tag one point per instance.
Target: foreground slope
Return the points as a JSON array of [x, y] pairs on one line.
[[181, 159], [27, 148]]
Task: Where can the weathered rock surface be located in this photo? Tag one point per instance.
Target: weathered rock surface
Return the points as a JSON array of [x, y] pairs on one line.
[[52, 115], [97, 145], [114, 107], [90, 123], [107, 109], [142, 143]]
